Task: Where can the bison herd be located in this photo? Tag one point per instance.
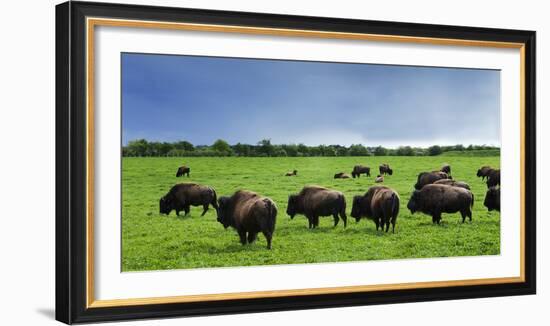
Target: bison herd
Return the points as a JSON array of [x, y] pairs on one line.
[[249, 213]]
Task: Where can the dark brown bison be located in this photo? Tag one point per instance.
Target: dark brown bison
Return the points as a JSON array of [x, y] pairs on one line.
[[435, 199], [425, 178], [493, 179], [315, 201], [446, 168], [379, 179], [484, 171], [290, 174], [385, 169], [249, 214], [454, 183], [341, 175], [380, 204], [360, 169], [184, 195], [492, 199], [183, 170]]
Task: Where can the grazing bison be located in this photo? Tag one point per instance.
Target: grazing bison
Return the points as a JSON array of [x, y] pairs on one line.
[[385, 169], [425, 178], [379, 179], [249, 214], [183, 170], [454, 183], [446, 168], [183, 195], [315, 201], [360, 169], [380, 204], [341, 175], [493, 179], [290, 174], [492, 199], [435, 199], [484, 171]]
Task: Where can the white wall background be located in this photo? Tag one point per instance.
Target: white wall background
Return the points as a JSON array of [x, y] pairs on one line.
[[27, 144]]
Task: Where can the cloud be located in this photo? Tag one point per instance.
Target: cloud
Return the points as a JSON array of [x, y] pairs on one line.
[[201, 99]]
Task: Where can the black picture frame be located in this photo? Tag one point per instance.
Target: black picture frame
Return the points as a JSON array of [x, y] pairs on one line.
[[71, 156]]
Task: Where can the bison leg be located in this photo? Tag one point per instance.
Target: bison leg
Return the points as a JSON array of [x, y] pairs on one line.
[[268, 236], [188, 174], [242, 236], [177, 212], [186, 209], [436, 217], [377, 223], [315, 221], [344, 218], [336, 219], [205, 209], [252, 237]]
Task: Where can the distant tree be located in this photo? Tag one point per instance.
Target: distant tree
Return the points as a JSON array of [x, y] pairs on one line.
[[241, 149], [404, 151], [184, 145], [434, 150], [222, 147], [380, 151], [279, 151], [265, 147], [358, 150], [303, 150], [291, 150], [459, 147], [138, 147], [342, 151]]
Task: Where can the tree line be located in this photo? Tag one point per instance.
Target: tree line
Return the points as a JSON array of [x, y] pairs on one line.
[[265, 148]]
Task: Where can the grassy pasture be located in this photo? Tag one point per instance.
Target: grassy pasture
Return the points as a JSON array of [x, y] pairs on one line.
[[151, 241]]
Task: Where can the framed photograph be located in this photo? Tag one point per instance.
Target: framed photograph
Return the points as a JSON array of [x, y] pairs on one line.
[[212, 162]]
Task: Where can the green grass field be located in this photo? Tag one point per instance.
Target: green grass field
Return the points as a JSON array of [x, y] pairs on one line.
[[151, 241]]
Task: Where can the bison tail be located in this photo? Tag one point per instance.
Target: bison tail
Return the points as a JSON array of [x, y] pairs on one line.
[[271, 214], [214, 198], [472, 204], [395, 205], [342, 205]]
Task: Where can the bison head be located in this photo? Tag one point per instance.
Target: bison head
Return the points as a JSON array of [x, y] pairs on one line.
[[413, 202], [356, 208], [291, 207], [390, 171], [165, 205], [224, 216], [479, 173], [492, 199]]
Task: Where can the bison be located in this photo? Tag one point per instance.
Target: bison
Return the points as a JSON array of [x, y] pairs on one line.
[[385, 169], [380, 204], [183, 170], [249, 214], [492, 199], [290, 174], [446, 168], [360, 169], [425, 178], [484, 171], [435, 199], [493, 179], [454, 183], [183, 195], [379, 179], [341, 175], [315, 201]]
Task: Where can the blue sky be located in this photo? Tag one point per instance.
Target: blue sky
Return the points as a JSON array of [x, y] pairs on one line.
[[201, 99]]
